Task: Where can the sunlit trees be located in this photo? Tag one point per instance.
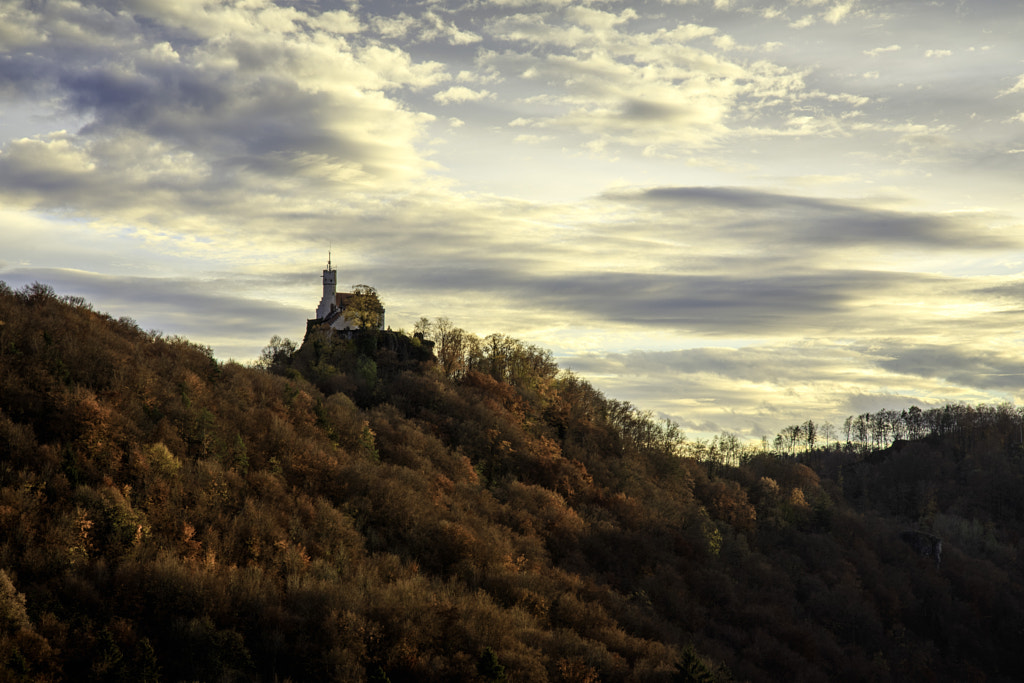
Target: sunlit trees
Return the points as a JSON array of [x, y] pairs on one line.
[[365, 308], [452, 345], [277, 354]]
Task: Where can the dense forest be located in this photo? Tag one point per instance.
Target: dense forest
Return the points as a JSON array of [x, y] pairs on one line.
[[384, 508]]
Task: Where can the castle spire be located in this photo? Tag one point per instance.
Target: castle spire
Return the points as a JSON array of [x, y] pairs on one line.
[[330, 277]]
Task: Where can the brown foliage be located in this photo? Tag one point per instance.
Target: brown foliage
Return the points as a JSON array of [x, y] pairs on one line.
[[165, 516]]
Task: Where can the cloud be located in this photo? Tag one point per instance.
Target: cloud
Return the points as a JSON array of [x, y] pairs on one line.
[[731, 301], [1015, 88], [19, 27], [938, 54], [433, 27], [394, 27], [188, 109], [756, 390], [212, 311], [337, 21], [720, 304], [810, 221], [775, 364], [874, 52], [838, 12], [656, 90], [984, 369], [534, 139], [663, 92], [459, 93]]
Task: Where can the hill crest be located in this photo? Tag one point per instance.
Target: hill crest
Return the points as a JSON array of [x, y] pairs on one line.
[[352, 513]]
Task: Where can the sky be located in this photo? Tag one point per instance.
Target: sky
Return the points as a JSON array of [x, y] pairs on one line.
[[738, 215]]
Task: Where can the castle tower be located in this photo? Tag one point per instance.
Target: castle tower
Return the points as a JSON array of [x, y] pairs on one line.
[[330, 290]]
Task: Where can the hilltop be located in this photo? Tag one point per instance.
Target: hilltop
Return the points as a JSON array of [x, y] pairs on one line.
[[353, 509]]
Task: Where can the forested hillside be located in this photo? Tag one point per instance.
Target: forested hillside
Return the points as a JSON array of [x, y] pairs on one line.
[[357, 511]]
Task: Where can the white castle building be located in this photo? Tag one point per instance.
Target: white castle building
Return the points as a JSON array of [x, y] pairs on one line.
[[331, 310]]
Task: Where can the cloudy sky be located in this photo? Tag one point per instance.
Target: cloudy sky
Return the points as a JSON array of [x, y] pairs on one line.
[[739, 214]]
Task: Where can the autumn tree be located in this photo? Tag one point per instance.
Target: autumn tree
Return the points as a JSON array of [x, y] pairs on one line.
[[364, 308], [277, 354], [452, 346], [165, 516]]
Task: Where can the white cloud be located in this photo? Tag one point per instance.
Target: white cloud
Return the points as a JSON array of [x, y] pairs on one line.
[[1015, 88], [535, 3], [874, 52], [427, 27], [19, 27], [724, 43], [658, 92], [189, 108], [338, 21], [938, 54], [838, 12], [459, 93], [395, 68], [53, 156], [434, 27], [597, 21], [480, 74], [534, 28], [393, 27], [530, 139]]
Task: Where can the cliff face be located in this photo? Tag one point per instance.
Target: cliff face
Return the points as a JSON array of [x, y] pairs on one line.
[[349, 513]]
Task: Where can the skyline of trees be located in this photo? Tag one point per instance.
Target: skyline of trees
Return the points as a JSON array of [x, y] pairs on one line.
[[459, 351]]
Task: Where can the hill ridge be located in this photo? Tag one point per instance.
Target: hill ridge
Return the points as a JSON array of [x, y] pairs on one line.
[[351, 512]]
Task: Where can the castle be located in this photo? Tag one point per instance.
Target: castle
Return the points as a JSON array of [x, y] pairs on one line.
[[333, 305]]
